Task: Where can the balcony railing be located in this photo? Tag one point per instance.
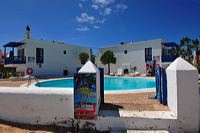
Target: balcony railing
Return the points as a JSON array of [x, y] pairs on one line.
[[168, 58], [15, 60]]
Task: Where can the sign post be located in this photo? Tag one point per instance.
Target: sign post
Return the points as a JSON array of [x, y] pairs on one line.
[[87, 92]]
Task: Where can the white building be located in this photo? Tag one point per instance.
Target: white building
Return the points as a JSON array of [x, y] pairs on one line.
[[1, 54], [45, 58], [129, 55]]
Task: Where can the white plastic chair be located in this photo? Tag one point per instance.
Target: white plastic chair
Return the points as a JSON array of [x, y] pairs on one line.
[[119, 72]]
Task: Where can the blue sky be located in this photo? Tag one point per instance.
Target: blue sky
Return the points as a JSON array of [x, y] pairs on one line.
[[99, 23]]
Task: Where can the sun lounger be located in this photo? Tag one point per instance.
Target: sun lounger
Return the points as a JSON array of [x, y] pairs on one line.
[[26, 77], [119, 72], [13, 78], [112, 74], [134, 74]]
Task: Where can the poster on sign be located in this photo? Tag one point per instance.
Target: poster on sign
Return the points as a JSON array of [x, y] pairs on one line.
[[85, 99]]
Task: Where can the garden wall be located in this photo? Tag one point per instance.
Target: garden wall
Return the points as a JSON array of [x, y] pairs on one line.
[[36, 105]]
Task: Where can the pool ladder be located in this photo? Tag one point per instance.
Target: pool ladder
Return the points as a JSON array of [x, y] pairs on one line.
[[30, 78]]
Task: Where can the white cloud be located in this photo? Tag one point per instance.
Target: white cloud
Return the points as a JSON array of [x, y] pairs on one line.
[[121, 7], [103, 3], [101, 21], [103, 8], [96, 27], [80, 5], [85, 18], [94, 6], [82, 28], [107, 11]]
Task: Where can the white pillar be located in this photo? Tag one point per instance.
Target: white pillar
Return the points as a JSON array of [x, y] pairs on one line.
[[183, 93]]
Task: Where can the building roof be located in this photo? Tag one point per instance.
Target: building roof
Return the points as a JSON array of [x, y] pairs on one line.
[[50, 42], [14, 44], [170, 44], [132, 43]]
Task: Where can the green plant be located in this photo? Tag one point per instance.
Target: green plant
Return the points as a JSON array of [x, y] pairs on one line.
[[83, 57], [107, 58], [9, 72]]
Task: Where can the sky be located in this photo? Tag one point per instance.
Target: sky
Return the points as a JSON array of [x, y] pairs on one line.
[[99, 23]]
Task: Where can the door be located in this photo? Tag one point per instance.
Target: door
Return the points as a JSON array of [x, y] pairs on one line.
[[39, 55]]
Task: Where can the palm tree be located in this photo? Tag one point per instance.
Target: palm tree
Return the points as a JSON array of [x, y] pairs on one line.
[[196, 47], [186, 44], [107, 58], [83, 57]]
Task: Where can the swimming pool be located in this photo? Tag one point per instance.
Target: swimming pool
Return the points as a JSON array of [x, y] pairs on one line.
[[110, 83]]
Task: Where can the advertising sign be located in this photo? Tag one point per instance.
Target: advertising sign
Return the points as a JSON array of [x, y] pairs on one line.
[[85, 96]]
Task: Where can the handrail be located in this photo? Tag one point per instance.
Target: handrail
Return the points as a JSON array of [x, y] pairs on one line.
[[30, 78], [168, 58], [15, 60]]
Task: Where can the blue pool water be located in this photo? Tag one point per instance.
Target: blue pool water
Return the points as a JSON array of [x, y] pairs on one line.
[[110, 83]]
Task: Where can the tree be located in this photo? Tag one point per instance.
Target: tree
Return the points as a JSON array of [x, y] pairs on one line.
[[195, 44], [186, 44], [92, 56], [83, 57], [107, 58]]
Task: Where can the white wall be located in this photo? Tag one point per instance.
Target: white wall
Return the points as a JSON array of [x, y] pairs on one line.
[[36, 106], [135, 54], [55, 61]]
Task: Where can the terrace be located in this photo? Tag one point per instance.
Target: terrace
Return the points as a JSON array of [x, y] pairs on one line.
[[168, 52], [12, 57]]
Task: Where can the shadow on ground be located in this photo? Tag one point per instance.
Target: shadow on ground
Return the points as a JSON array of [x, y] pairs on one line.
[[24, 128]]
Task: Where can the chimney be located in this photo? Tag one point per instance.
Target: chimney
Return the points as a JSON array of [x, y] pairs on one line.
[[28, 32]]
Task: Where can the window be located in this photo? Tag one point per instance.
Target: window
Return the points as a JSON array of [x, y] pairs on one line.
[[125, 51], [65, 52], [31, 59], [39, 55]]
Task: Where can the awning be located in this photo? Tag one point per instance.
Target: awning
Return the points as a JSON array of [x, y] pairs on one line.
[[14, 44], [170, 44]]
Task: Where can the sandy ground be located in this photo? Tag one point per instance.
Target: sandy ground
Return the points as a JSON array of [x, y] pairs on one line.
[[134, 101], [9, 83]]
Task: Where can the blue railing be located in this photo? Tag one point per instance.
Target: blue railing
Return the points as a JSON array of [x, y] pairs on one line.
[[15, 60], [168, 58]]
